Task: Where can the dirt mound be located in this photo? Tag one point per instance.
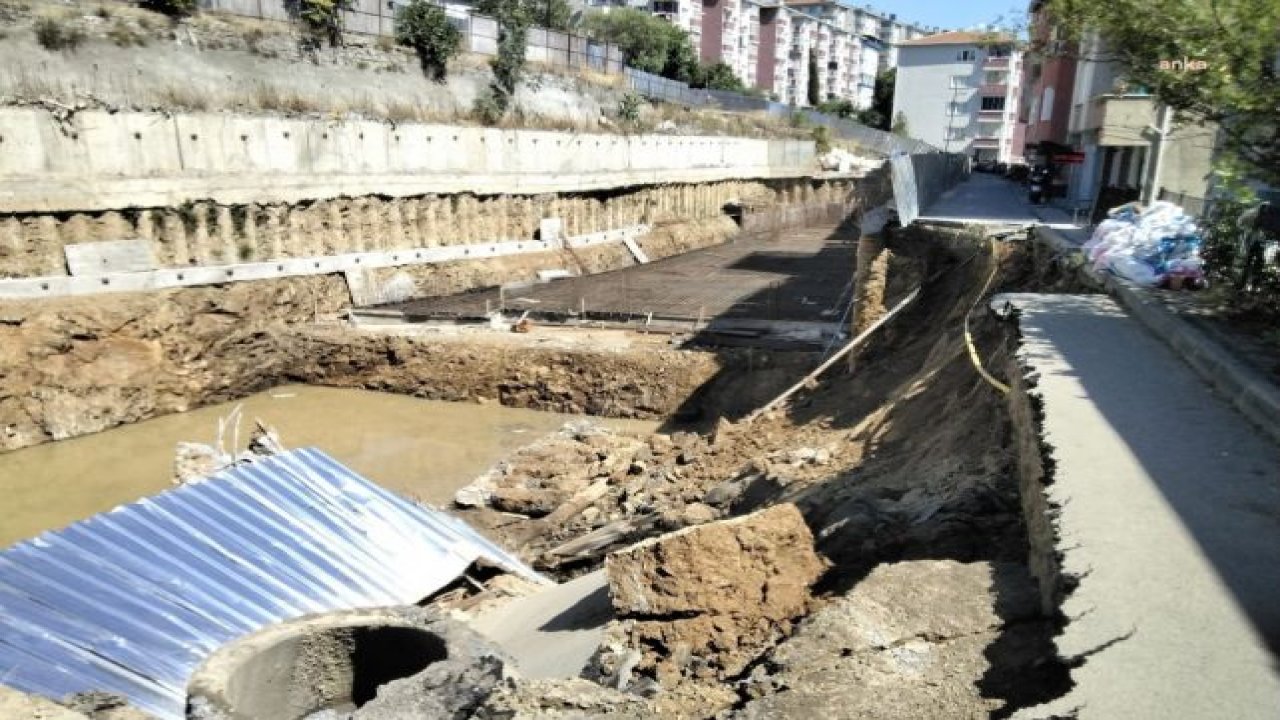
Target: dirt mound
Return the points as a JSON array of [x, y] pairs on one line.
[[705, 601]]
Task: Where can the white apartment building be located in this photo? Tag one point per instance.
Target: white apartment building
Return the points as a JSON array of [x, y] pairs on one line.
[[960, 93], [684, 14], [804, 33], [731, 35]]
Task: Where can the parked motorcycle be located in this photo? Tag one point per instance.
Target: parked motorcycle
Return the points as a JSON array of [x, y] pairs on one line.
[[1038, 186]]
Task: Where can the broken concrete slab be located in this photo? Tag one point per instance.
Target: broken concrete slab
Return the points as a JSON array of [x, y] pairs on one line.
[[909, 641], [758, 564], [706, 600], [554, 632]]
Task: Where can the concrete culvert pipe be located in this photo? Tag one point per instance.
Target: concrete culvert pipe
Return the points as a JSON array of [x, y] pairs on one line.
[[365, 664]]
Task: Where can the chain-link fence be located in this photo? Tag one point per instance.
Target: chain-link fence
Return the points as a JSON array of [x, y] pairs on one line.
[[663, 89]]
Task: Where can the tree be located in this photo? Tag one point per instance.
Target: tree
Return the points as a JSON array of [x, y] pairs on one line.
[[815, 95], [551, 14], [900, 125], [1234, 45], [425, 27], [877, 116], [718, 76], [647, 42], [514, 18], [321, 21]]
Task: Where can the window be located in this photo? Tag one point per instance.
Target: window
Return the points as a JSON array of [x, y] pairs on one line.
[[955, 133], [993, 77], [967, 56], [993, 103], [959, 81], [956, 108]]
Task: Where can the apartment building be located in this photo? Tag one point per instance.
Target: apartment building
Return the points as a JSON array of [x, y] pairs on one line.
[[960, 91], [684, 14], [1098, 134], [731, 35], [773, 61], [769, 43]]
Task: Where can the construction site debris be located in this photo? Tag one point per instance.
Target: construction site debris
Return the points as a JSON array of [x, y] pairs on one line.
[[705, 601], [921, 631]]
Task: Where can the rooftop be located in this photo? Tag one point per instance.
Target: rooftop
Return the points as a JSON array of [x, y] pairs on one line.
[[960, 37]]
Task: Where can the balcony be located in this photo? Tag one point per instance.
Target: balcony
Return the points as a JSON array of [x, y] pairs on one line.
[[1000, 90], [1119, 120], [995, 63], [986, 143]]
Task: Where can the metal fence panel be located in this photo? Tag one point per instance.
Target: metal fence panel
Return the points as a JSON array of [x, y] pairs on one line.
[[920, 179]]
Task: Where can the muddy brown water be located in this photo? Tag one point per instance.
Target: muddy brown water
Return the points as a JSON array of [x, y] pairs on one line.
[[425, 449]]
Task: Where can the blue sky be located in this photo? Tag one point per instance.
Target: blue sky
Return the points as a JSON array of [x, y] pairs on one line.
[[950, 14]]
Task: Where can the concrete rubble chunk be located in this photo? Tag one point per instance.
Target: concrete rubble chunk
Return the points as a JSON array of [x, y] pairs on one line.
[[706, 600], [911, 640]]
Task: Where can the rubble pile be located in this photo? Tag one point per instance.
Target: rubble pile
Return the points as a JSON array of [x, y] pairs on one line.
[[587, 489], [920, 631]]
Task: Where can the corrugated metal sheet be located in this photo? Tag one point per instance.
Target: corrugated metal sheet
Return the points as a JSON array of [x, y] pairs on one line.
[[131, 601]]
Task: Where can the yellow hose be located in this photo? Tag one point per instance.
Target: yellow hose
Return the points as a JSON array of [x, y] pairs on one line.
[[968, 336]]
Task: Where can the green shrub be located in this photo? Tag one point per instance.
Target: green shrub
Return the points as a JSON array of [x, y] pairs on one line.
[[488, 108], [423, 26], [514, 18], [55, 34], [629, 108], [822, 139], [321, 21]]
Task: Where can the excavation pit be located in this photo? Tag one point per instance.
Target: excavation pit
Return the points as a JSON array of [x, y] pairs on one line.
[[320, 666]]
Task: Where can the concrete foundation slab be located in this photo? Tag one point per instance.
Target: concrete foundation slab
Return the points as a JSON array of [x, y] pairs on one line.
[[803, 275]]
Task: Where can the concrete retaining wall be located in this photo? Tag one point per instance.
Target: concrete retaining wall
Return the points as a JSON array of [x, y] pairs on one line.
[[99, 161]]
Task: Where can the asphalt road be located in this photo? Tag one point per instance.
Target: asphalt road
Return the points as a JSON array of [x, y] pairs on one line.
[[1169, 514]]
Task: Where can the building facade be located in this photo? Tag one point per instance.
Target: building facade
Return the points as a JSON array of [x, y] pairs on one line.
[[960, 91], [1130, 147], [684, 14], [769, 44], [1104, 140]]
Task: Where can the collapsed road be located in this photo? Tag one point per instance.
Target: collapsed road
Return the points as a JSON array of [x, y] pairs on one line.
[[907, 470], [877, 546]]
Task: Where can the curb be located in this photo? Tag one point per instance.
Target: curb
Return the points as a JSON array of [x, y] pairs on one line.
[[1248, 390]]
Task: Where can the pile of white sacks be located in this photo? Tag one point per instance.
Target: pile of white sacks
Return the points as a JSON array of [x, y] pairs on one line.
[[1156, 245]]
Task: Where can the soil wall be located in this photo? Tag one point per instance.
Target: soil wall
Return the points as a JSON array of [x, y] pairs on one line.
[[208, 233]]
